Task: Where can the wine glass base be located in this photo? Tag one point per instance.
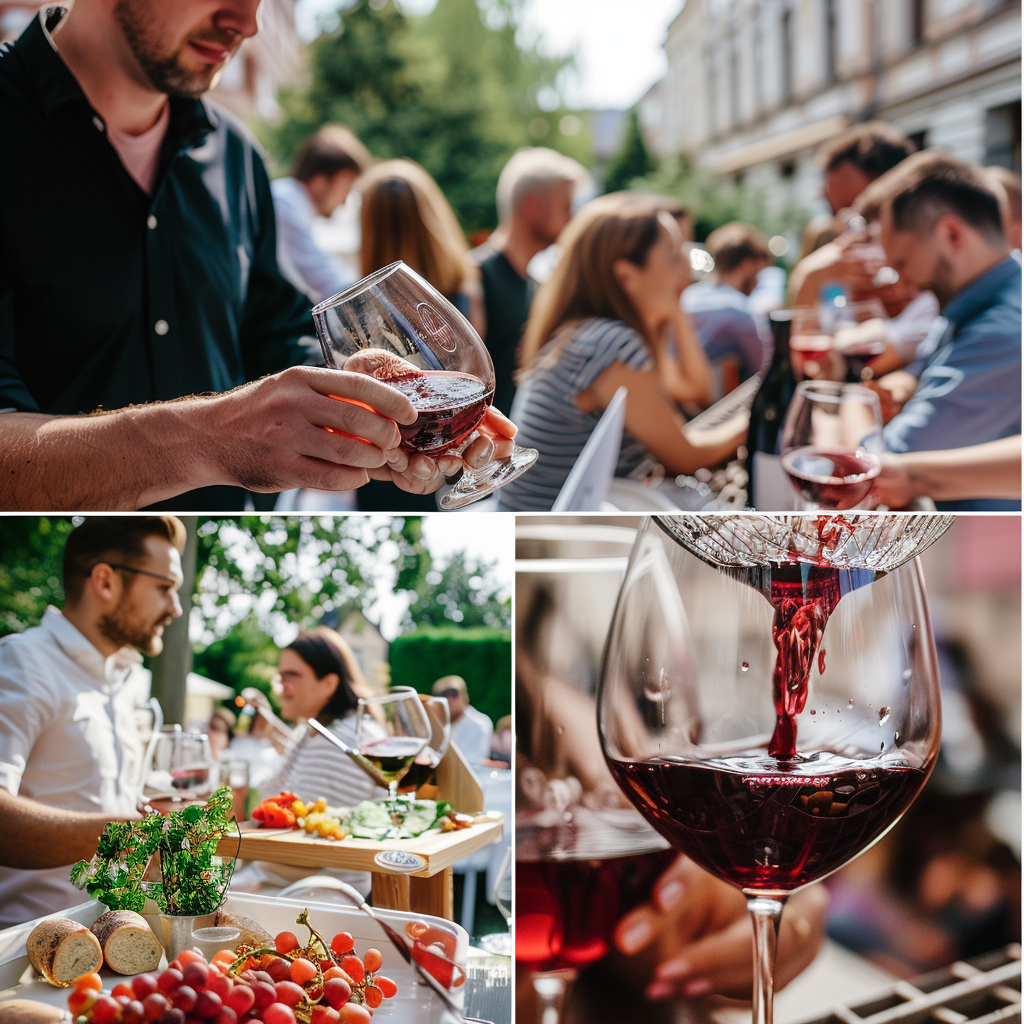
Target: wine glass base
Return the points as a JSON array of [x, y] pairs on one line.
[[499, 943], [475, 484]]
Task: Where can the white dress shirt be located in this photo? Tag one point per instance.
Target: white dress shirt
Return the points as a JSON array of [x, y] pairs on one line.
[[472, 735], [315, 272], [68, 739]]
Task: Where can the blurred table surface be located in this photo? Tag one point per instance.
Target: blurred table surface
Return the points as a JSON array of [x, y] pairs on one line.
[[837, 977]]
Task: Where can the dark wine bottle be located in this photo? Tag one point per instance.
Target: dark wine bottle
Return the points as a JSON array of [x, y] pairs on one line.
[[769, 409]]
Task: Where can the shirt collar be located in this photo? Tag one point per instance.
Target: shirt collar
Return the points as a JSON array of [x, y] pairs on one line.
[[107, 672], [979, 294], [57, 87]]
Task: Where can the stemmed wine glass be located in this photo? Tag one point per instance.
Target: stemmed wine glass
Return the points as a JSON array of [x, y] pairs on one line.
[[500, 943], [179, 769], [391, 730], [856, 344], [831, 441], [396, 327], [769, 699], [439, 715]]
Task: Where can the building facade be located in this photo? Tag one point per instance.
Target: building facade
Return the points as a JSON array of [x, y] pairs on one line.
[[753, 87]]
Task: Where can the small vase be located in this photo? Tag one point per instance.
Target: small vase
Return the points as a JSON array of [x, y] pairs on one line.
[[177, 931]]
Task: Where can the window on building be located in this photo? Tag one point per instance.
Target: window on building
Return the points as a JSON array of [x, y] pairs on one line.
[[1002, 136], [917, 13], [787, 51], [831, 40]]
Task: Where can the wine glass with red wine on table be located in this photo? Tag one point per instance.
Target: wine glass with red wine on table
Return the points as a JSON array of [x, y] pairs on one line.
[[391, 731], [831, 442], [396, 327], [439, 715], [770, 695]]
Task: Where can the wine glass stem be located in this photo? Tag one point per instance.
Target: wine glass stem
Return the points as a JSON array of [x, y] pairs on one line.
[[550, 989], [765, 912]]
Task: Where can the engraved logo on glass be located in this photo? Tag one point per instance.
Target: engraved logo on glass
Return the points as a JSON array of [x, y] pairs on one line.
[[436, 327]]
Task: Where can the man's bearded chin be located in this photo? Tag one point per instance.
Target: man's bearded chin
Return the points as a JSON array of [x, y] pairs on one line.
[[119, 629], [165, 73]]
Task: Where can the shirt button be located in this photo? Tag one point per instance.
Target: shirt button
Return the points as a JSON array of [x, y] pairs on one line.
[[161, 327], [151, 222], [98, 122]]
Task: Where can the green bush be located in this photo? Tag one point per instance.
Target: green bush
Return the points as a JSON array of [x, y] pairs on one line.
[[483, 657]]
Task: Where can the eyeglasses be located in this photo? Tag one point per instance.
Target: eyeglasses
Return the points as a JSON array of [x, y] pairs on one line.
[[141, 572]]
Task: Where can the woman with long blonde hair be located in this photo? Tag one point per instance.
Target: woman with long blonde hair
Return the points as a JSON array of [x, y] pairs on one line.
[[601, 322], [406, 217]]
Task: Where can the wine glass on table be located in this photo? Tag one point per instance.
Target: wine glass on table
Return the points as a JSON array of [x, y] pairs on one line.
[[440, 717], [859, 335], [831, 443], [810, 342], [500, 943], [179, 771], [391, 730], [584, 857], [396, 327], [770, 695]]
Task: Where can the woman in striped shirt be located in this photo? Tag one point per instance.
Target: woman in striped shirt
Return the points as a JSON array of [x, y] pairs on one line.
[[599, 323], [319, 678]]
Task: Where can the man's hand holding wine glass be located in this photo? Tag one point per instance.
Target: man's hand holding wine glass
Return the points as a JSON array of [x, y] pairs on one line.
[[699, 931]]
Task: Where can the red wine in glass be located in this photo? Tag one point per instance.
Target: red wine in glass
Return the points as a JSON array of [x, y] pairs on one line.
[[572, 887], [190, 778], [831, 478], [449, 404], [765, 824], [422, 769], [858, 356]]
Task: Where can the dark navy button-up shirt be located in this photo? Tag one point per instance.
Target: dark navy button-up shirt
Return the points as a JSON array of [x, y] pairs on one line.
[[969, 386], [109, 296]]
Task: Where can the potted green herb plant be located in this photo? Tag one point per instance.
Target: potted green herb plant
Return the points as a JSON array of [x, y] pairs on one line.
[[193, 879]]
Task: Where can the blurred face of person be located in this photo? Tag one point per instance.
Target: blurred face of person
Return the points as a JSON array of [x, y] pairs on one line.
[[654, 289], [147, 604], [456, 702], [927, 260], [301, 694], [746, 276], [217, 731], [182, 46], [843, 184], [548, 210], [328, 192]]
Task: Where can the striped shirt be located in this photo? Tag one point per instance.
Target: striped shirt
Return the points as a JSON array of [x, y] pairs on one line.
[[313, 767], [549, 419]]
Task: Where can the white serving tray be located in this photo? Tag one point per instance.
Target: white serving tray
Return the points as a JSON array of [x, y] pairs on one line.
[[415, 1002]]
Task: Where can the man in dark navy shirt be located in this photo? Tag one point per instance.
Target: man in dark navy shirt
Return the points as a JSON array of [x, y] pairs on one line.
[[138, 268]]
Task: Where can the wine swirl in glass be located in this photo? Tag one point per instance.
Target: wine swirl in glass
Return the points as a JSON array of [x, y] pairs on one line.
[[394, 326], [831, 442], [771, 718]]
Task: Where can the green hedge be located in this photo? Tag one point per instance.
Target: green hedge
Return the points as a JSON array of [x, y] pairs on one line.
[[483, 657]]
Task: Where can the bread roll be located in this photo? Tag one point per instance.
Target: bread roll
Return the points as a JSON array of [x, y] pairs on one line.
[[129, 946], [62, 950]]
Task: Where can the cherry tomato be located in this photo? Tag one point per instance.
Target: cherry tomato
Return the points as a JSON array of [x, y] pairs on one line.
[[285, 942], [278, 1013], [372, 960], [89, 983], [386, 985], [342, 943], [301, 971]]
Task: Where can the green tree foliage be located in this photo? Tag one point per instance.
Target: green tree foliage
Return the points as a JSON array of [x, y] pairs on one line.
[[456, 90], [30, 569], [464, 593], [714, 201], [483, 657], [632, 161]]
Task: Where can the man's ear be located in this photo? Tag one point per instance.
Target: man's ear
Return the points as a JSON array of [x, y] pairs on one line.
[[951, 230], [103, 582]]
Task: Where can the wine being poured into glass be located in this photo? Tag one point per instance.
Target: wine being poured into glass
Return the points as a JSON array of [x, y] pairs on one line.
[[772, 708], [394, 326]]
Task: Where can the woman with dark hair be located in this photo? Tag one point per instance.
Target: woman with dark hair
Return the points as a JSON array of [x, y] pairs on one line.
[[319, 678]]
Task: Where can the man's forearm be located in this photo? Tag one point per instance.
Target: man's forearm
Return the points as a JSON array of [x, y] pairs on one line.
[[36, 836], [118, 460]]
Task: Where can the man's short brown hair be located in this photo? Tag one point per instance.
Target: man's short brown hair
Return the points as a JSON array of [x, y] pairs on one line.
[[735, 242], [331, 149], [117, 538], [873, 147], [1010, 183], [932, 183]]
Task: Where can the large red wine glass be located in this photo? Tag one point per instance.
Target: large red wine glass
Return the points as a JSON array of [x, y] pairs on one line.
[[584, 856], [396, 327], [769, 699], [831, 441]]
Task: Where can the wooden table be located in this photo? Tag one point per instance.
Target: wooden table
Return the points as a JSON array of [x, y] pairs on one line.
[[428, 891]]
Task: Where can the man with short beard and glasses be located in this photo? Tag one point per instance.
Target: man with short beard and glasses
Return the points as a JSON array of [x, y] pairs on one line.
[[149, 345], [70, 755], [942, 230]]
